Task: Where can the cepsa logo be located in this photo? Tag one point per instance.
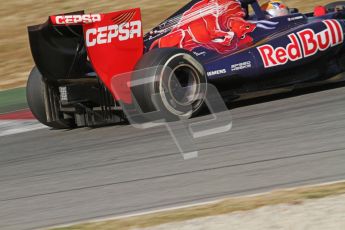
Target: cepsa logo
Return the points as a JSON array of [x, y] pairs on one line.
[[76, 19], [106, 34], [303, 44]]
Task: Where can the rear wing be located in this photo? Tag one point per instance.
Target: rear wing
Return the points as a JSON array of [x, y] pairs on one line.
[[71, 45]]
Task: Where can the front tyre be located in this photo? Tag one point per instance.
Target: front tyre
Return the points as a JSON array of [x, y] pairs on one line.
[[177, 85], [36, 100]]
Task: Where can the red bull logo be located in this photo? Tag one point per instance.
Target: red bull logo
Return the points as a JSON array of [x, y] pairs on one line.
[[303, 44]]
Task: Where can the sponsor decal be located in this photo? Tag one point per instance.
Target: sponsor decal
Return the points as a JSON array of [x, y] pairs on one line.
[[217, 25], [295, 18], [203, 53], [106, 34], [216, 72], [240, 66], [303, 44], [76, 19]]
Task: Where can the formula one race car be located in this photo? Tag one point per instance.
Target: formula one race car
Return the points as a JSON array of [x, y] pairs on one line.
[[86, 63]]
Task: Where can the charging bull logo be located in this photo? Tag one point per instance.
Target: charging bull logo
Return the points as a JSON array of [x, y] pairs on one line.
[[303, 44], [214, 24]]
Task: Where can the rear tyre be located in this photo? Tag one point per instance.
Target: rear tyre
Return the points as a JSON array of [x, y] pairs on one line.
[[178, 87], [35, 97]]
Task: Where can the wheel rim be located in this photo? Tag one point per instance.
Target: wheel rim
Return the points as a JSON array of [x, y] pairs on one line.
[[184, 85], [181, 92]]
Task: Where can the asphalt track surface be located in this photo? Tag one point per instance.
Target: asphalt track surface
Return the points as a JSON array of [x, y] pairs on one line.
[[50, 177]]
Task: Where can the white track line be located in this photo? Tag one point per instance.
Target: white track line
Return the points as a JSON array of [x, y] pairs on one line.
[[11, 127], [14, 111]]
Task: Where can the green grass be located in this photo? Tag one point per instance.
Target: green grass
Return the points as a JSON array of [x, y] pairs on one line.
[[12, 100]]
